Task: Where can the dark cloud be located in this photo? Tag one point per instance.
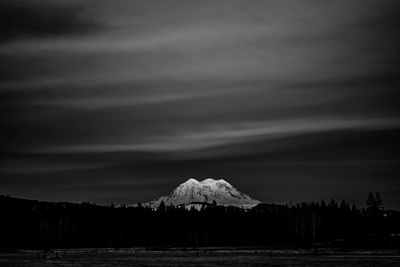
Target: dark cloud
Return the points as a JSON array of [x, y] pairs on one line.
[[341, 164], [288, 101], [32, 19]]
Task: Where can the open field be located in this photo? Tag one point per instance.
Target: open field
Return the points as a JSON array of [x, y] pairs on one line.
[[201, 257]]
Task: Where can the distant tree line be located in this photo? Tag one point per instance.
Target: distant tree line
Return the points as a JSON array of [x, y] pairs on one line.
[[35, 224]]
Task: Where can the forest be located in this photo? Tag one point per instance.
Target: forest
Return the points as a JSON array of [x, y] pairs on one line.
[[44, 225]]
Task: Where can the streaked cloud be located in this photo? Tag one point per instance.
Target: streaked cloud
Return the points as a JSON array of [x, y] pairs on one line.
[[218, 135], [145, 93]]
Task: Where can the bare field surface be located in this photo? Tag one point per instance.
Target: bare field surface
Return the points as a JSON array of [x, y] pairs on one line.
[[201, 257]]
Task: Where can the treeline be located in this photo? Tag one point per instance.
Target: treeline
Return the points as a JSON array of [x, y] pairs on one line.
[[35, 224]]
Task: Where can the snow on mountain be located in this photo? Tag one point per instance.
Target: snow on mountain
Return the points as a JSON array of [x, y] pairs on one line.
[[193, 192]]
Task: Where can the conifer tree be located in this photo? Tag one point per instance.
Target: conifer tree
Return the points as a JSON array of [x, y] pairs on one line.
[[162, 207]]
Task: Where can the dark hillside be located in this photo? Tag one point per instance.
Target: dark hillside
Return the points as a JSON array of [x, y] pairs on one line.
[[37, 224]]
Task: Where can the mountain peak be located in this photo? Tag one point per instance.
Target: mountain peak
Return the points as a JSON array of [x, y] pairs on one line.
[[212, 181], [205, 192], [208, 181], [191, 181]]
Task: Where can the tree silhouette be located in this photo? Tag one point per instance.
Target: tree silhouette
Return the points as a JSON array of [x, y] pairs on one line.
[[162, 207], [37, 224], [374, 204], [379, 201]]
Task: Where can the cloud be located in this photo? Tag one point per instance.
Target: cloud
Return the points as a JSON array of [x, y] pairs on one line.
[[22, 19], [219, 135], [214, 88]]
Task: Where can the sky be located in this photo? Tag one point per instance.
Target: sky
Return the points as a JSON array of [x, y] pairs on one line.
[[121, 101]]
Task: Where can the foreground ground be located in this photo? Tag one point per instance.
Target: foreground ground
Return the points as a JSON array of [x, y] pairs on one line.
[[201, 257]]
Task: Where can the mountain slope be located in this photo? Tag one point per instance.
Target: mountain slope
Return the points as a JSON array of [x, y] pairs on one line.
[[194, 192]]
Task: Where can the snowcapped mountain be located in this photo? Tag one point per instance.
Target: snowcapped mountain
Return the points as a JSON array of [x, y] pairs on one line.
[[193, 193]]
